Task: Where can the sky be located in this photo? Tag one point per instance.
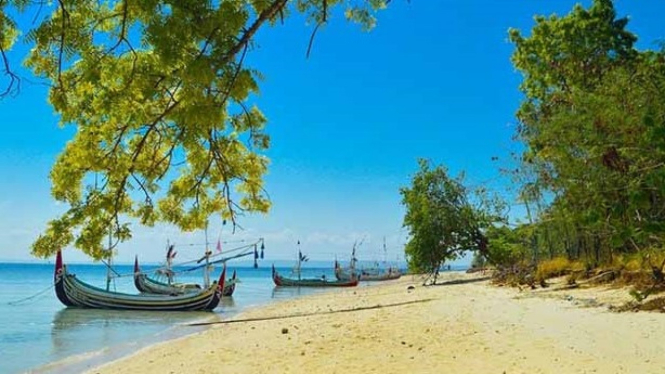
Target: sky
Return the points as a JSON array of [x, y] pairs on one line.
[[433, 80]]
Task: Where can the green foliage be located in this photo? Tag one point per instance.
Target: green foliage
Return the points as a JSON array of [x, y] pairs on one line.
[[441, 220], [158, 92], [478, 261], [638, 295], [506, 247], [592, 120]]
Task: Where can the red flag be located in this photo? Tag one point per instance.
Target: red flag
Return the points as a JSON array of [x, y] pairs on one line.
[[219, 246]]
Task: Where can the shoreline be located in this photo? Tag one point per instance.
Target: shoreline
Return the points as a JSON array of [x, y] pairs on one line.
[[89, 360], [92, 359], [463, 326], [203, 326]]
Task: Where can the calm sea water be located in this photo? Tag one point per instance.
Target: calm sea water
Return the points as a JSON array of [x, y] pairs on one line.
[[41, 335]]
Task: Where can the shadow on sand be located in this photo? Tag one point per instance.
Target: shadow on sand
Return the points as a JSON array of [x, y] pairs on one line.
[[460, 281], [298, 315]]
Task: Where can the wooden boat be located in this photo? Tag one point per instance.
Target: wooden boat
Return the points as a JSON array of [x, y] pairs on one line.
[[148, 285], [371, 274], [281, 281], [363, 275], [74, 293]]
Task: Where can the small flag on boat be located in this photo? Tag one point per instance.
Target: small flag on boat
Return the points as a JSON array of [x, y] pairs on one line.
[[219, 246], [170, 254]]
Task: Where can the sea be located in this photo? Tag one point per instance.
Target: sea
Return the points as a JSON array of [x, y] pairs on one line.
[[38, 334]]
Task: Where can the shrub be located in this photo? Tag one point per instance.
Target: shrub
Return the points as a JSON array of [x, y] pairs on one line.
[[557, 267]]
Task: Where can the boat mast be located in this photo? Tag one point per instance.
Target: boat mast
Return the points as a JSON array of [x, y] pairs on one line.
[[108, 265], [353, 257], [206, 269], [169, 274], [299, 260]]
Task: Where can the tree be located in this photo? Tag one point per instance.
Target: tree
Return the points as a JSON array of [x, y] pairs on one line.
[[441, 220], [592, 121], [507, 247], [158, 92]]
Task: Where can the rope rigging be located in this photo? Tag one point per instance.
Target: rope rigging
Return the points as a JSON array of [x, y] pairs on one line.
[[19, 301], [214, 258]]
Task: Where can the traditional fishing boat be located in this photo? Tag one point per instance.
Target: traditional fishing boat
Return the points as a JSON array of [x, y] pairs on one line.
[[281, 281], [161, 281], [72, 292], [366, 275], [146, 284]]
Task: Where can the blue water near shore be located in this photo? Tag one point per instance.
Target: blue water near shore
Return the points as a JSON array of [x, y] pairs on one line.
[[41, 331]]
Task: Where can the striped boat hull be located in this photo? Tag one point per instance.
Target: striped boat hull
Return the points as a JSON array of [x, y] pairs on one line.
[[145, 284], [281, 281], [72, 292]]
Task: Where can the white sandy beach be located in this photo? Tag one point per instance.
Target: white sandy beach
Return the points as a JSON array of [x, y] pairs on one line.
[[457, 328]]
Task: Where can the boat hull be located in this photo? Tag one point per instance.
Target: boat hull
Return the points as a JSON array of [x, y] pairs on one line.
[[281, 281], [72, 292], [147, 285], [342, 275], [345, 275]]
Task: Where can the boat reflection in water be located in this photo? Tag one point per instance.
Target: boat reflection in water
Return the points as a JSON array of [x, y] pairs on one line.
[[75, 330], [285, 293]]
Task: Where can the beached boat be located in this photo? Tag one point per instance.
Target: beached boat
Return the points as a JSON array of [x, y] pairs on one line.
[[310, 282], [146, 284], [373, 275], [72, 292], [162, 281], [365, 274]]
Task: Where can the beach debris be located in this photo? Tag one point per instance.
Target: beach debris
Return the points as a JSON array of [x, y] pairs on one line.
[[285, 330], [653, 305], [604, 277], [411, 288]]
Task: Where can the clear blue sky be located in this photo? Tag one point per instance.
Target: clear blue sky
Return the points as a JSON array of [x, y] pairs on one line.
[[433, 80]]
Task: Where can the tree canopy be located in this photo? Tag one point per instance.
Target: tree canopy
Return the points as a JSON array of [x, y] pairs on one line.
[[158, 92], [593, 125], [441, 220]]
